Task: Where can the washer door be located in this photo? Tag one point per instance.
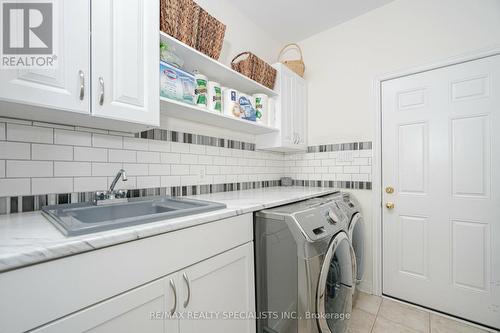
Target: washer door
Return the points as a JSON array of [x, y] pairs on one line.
[[335, 288], [356, 235]]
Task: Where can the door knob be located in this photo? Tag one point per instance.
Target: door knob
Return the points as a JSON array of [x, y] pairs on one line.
[[389, 189], [389, 205]]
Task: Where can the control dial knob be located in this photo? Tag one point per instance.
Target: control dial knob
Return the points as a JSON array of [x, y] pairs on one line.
[[331, 217]]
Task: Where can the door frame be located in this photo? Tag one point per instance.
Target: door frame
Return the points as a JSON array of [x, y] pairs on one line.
[[377, 149]]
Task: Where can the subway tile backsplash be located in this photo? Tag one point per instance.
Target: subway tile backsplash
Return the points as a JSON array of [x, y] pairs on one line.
[[46, 164], [337, 165]]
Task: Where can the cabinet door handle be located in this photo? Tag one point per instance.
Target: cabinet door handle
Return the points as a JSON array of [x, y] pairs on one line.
[[101, 96], [174, 290], [82, 84], [186, 279]]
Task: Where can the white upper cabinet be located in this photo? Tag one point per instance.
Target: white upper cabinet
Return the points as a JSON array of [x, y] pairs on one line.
[[300, 109], [290, 113], [125, 60], [107, 70], [65, 87]]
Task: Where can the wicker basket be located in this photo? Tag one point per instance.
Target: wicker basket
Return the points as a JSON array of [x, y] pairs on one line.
[[186, 21], [210, 35], [297, 66], [179, 19], [255, 68]]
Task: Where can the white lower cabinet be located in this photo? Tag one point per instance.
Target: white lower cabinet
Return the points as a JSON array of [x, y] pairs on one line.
[[219, 288], [126, 313], [181, 302]]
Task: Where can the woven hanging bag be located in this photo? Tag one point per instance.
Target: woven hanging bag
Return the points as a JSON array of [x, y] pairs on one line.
[[298, 65]]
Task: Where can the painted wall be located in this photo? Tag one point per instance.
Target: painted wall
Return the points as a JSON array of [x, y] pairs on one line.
[[242, 34], [342, 63]]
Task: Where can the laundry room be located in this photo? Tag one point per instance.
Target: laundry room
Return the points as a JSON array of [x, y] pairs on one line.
[[176, 166]]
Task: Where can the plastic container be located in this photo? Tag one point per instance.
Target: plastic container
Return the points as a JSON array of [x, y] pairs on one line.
[[176, 84]]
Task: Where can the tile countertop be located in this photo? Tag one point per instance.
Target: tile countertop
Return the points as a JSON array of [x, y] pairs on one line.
[[28, 238]]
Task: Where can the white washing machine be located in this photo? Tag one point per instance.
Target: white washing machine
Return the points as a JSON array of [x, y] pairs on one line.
[[355, 230], [305, 266]]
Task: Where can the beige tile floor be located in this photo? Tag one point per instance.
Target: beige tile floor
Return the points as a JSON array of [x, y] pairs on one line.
[[373, 314]]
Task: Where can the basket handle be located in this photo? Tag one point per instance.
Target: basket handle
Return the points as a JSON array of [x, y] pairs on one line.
[[236, 57], [286, 47]]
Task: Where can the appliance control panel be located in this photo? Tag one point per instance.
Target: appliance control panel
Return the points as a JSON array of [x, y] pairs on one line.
[[322, 220]]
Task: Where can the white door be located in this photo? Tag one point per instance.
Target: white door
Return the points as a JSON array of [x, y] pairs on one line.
[[127, 313], [67, 86], [441, 154], [221, 285], [125, 60]]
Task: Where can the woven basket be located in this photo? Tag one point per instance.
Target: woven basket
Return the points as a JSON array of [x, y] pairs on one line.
[[210, 35], [179, 19], [297, 66], [255, 68]]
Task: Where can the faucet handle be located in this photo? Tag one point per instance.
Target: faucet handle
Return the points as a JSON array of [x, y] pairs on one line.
[[100, 195], [121, 194]]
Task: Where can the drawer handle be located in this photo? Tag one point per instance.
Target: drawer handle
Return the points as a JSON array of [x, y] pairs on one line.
[[101, 96], [186, 279], [174, 290], [82, 84]]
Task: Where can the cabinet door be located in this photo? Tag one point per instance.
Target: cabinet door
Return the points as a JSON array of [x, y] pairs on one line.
[[287, 101], [300, 111], [125, 60], [61, 87], [222, 284], [130, 312]]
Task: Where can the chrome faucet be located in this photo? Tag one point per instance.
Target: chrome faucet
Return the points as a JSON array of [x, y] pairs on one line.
[[121, 174], [112, 196]]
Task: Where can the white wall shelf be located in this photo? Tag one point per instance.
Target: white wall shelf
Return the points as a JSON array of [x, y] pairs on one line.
[[175, 109], [214, 70]]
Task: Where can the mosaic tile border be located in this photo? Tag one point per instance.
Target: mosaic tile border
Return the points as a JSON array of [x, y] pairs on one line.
[[340, 146], [184, 137], [30, 203], [352, 185], [181, 137]]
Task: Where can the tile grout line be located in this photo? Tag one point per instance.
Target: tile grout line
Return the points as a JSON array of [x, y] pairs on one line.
[[376, 316]]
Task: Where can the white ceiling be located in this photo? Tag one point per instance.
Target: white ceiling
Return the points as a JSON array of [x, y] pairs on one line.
[[295, 20]]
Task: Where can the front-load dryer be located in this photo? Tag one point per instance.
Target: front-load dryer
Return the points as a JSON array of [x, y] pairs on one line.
[[355, 228], [304, 265]]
